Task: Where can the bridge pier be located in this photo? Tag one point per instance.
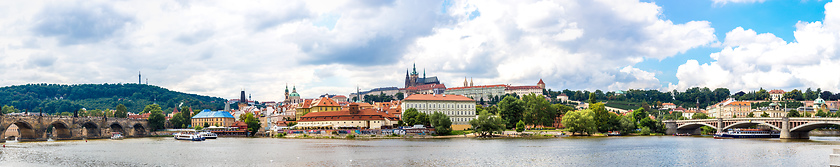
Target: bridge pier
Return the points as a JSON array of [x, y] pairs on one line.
[[720, 125], [785, 131], [670, 128]]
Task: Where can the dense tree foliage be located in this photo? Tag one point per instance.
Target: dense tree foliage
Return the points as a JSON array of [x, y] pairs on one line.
[[122, 111], [413, 117], [252, 122], [378, 98], [538, 111], [580, 121], [487, 124], [520, 126], [55, 98], [441, 123], [511, 110], [156, 118], [692, 97]]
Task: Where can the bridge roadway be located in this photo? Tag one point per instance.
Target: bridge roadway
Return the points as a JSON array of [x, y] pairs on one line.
[[42, 128], [790, 128]]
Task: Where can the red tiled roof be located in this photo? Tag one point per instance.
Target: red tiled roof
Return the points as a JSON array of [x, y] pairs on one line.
[[668, 104], [777, 91], [541, 82], [326, 102], [437, 97], [522, 87], [481, 86], [344, 115]]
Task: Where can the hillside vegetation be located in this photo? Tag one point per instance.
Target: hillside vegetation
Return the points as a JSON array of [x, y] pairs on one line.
[[55, 98]]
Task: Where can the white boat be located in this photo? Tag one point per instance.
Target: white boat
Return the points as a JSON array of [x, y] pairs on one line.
[[117, 136], [188, 136], [208, 135]]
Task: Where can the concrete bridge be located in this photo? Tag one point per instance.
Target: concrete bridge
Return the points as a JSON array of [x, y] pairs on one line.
[[790, 128], [42, 128]]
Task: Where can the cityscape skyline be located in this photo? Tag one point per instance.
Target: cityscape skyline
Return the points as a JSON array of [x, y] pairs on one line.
[[220, 48]]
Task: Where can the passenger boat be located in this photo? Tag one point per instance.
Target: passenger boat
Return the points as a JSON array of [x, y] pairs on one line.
[[208, 135], [117, 136], [682, 134], [747, 133], [614, 133], [189, 136]]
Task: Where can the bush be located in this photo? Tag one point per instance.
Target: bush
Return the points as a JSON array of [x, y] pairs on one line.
[[372, 135], [645, 131], [520, 126], [350, 137], [280, 135]]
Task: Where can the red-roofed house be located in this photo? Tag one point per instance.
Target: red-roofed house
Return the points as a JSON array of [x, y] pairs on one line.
[[777, 95], [669, 105], [350, 118]]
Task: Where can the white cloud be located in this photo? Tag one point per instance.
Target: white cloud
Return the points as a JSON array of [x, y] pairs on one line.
[[737, 1], [220, 47], [750, 61]]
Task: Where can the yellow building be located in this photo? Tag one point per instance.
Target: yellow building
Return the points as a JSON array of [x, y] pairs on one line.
[[213, 118], [325, 104], [303, 109]]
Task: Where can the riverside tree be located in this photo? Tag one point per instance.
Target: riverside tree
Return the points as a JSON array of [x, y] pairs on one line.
[[252, 122], [580, 121], [538, 111], [511, 110], [486, 124], [413, 117], [156, 118], [441, 123], [520, 126]]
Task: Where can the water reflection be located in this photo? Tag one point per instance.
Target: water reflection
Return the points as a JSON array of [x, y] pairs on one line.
[[600, 151]]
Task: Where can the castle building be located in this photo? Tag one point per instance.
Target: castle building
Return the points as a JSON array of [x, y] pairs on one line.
[[413, 79]]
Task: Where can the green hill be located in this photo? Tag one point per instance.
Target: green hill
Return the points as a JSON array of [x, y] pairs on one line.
[[55, 98]]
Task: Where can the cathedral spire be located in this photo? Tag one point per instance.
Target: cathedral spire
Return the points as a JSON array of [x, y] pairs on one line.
[[424, 73], [471, 83]]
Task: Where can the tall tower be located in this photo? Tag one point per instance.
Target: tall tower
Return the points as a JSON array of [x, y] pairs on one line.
[[287, 92], [414, 75], [465, 82], [406, 78], [139, 78]]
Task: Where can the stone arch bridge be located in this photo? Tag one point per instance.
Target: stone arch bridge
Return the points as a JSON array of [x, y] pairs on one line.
[[42, 128], [790, 128]]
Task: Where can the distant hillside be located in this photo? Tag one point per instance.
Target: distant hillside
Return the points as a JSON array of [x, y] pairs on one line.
[[54, 98]]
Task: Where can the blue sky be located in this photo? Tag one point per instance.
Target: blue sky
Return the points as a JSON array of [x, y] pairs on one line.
[[218, 48], [773, 16]]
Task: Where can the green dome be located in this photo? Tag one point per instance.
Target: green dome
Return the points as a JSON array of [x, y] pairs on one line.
[[294, 94], [819, 101]]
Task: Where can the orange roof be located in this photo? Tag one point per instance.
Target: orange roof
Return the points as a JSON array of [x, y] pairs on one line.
[[522, 87], [306, 103], [668, 104], [740, 103], [541, 82], [326, 102], [777, 91], [482, 86], [437, 97], [344, 115]]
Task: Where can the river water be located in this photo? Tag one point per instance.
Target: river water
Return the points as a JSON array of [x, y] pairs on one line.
[[585, 151]]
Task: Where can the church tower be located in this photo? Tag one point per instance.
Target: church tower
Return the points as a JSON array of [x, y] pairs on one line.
[[465, 81], [412, 81], [406, 78], [287, 92]]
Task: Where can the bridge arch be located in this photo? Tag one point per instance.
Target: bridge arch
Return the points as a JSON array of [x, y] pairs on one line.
[[139, 130], [61, 130], [90, 130], [750, 123], [811, 126], [25, 129], [694, 125], [117, 127]]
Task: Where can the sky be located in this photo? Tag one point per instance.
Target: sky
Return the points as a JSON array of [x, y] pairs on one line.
[[219, 48]]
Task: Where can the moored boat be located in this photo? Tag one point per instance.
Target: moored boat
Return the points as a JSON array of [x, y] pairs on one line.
[[614, 133], [208, 135], [188, 136], [746, 133], [117, 136]]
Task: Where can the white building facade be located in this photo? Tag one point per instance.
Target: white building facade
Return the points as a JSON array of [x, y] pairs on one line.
[[460, 109]]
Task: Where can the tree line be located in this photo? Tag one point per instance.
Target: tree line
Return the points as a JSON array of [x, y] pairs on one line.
[[57, 99]]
